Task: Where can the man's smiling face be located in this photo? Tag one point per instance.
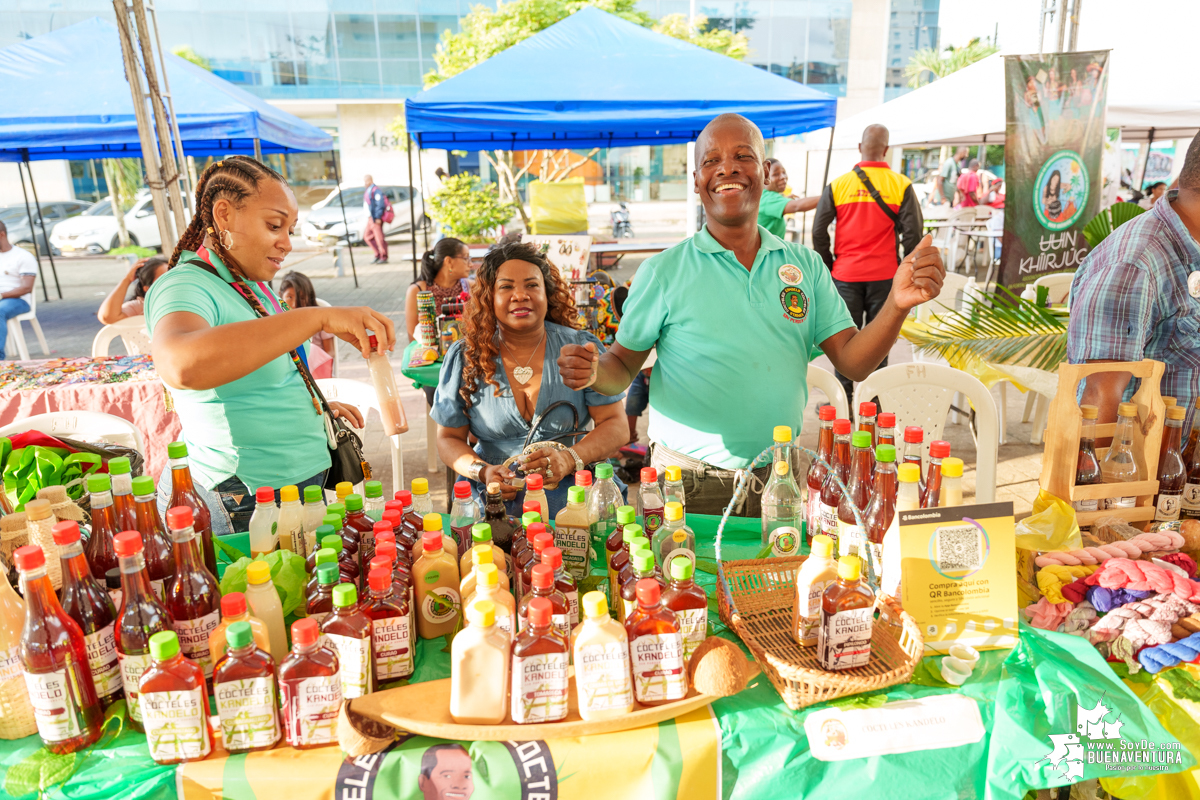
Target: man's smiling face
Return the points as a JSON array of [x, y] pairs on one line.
[[729, 170], [450, 778]]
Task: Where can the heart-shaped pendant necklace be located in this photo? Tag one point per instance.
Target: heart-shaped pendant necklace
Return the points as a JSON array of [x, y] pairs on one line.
[[523, 372]]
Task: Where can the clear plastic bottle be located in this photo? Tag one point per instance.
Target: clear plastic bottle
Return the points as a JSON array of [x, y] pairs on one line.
[[488, 588], [314, 512], [604, 498], [99, 548], [882, 507], [674, 539], [1118, 465], [290, 527], [194, 596], [673, 486], [183, 493], [536, 493], [234, 609], [571, 533], [421, 502], [264, 523], [373, 501], [650, 501], [463, 514], [264, 603], [908, 498], [818, 571], [844, 638], [391, 410], [782, 503], [1172, 474], [690, 604], [866, 422], [392, 638]]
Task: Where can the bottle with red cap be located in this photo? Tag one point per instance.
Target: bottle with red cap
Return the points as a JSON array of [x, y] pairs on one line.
[[818, 470], [866, 422], [245, 694], [264, 523], [234, 608], [535, 493], [411, 537], [391, 637], [140, 616], [655, 648], [385, 558], [565, 583], [620, 555], [156, 545], [933, 483], [539, 668], [54, 658], [194, 596], [395, 517], [463, 514], [348, 631], [914, 439], [174, 703], [310, 689], [99, 550], [88, 603], [831, 491], [183, 493], [435, 578], [541, 541], [887, 428], [541, 584], [650, 502]]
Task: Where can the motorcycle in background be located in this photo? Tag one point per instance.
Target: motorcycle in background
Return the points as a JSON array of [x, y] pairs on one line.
[[621, 227]]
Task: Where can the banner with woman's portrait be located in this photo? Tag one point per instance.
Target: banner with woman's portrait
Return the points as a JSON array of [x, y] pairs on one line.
[[1053, 143]]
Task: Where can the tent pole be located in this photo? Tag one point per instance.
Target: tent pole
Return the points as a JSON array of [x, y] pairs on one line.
[[29, 213], [828, 156], [412, 212], [421, 175], [342, 202], [1141, 180], [45, 235], [804, 216], [257, 150]]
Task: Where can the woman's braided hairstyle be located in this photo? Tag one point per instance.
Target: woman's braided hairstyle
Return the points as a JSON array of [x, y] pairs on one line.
[[235, 179]]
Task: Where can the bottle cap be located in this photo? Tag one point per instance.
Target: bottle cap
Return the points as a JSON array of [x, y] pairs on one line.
[[631, 532], [345, 595], [595, 604], [431, 541], [64, 533], [325, 555], [487, 575], [373, 489], [552, 557], [867, 409], [530, 505], [1168, 401], [541, 542], [841, 427], [493, 488], [312, 494], [233, 604], [39, 509], [542, 577], [381, 527], [289, 494], [164, 645], [305, 632], [179, 517], [1176, 412], [405, 496], [392, 516], [643, 561], [332, 542], [420, 486], [626, 515], [481, 532], [939, 449], [265, 494], [576, 494], [914, 434], [143, 485], [431, 522], [482, 613], [886, 419], [540, 612], [648, 592], [908, 473], [681, 569], [337, 509], [673, 473], [822, 546], [1089, 412], [177, 450], [649, 475], [354, 502], [482, 554], [118, 466], [885, 453], [258, 572], [380, 561], [379, 579], [640, 542], [238, 634], [386, 549], [530, 517], [849, 568], [952, 467], [326, 574], [462, 490], [1127, 410], [127, 543], [331, 521], [826, 413], [782, 433], [533, 482], [604, 471], [583, 478], [98, 482], [861, 439], [29, 557], [343, 488], [673, 511]]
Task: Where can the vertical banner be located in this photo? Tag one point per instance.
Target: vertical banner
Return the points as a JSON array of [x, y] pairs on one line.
[[1054, 139]]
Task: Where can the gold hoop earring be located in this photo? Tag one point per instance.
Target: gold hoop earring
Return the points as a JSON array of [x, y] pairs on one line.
[[226, 239]]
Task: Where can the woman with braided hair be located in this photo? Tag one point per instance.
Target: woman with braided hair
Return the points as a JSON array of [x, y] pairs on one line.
[[222, 345]]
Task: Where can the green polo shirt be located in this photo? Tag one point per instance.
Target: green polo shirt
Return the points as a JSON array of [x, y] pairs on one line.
[[261, 427], [770, 212], [733, 345]]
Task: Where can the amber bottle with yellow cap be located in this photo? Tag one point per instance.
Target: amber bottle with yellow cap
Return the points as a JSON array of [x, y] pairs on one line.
[[435, 578], [847, 607], [1119, 465]]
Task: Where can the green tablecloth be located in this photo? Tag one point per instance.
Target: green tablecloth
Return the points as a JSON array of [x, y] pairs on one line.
[[1024, 696], [420, 376]]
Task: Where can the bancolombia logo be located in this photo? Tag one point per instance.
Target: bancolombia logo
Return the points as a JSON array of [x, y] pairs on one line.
[[1098, 740]]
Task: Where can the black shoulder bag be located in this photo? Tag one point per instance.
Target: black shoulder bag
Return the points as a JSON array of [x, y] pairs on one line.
[[871, 190]]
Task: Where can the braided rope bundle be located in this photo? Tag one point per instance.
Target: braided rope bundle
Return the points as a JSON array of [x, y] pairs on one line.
[[1051, 579], [1123, 573], [1150, 616], [1186, 626], [1158, 542], [1183, 561], [1156, 659], [1046, 615]]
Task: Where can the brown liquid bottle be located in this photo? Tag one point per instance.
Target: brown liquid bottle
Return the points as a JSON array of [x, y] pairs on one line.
[[620, 561], [174, 703], [883, 500], [933, 485], [504, 527], [310, 689], [183, 493], [831, 492], [565, 583], [866, 422], [355, 526], [348, 632], [140, 616], [886, 434], [914, 438], [156, 545], [844, 638], [245, 692], [1189, 448], [122, 492], [655, 648], [615, 543], [99, 550], [690, 604], [1172, 475], [88, 603], [818, 470], [542, 585], [851, 536], [539, 668], [194, 596], [541, 540], [391, 631]]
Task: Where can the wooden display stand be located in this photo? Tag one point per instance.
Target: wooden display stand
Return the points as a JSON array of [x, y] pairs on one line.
[[1063, 427]]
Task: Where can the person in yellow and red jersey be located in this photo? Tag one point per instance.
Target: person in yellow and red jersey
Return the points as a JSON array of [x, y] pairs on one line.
[[878, 222]]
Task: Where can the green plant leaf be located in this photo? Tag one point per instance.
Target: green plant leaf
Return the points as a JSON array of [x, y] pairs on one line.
[[1183, 685], [229, 550], [591, 583], [38, 773], [706, 565]]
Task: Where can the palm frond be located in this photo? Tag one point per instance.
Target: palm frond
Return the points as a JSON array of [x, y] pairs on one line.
[[1108, 220]]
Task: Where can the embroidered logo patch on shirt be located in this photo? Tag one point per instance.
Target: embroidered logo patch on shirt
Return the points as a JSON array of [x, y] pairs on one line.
[[795, 303], [790, 274]]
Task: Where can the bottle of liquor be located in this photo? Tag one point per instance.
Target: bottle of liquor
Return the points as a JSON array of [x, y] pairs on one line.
[[866, 422], [156, 544], [504, 527], [831, 491], [1172, 476], [564, 582], [887, 428], [244, 688], [1189, 449], [122, 491], [99, 551], [1119, 465], [140, 616], [817, 470], [844, 638], [690, 604], [174, 703], [194, 596], [883, 501], [539, 668], [782, 503], [933, 485], [1087, 468], [850, 534], [641, 567], [656, 647], [542, 584], [650, 501], [310, 689], [361, 528], [391, 632], [914, 438], [87, 602], [16, 712], [183, 493], [348, 632]]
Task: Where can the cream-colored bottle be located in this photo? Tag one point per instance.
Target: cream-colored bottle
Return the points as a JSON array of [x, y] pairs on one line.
[[435, 576], [603, 682], [908, 498], [951, 494], [479, 557], [480, 659], [264, 604], [819, 570], [489, 588], [291, 521], [572, 533], [481, 535]]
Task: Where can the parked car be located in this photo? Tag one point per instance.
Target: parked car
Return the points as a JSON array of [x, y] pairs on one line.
[[16, 219], [95, 230], [324, 224]]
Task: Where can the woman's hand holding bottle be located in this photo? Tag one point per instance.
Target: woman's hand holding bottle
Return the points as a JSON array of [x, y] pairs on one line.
[[501, 475], [351, 323]]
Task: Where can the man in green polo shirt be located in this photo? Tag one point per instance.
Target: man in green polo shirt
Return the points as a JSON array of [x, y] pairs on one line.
[[775, 205], [735, 314]]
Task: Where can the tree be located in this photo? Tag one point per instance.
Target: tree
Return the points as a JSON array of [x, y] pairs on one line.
[[186, 52], [124, 179], [929, 61], [468, 210]]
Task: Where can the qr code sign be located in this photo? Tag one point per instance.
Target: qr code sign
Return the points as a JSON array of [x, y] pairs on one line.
[[959, 547]]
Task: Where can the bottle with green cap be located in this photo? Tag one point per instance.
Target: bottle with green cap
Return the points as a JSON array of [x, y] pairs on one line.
[[362, 528], [373, 500], [603, 500], [690, 604], [782, 503], [101, 556], [314, 513], [643, 567], [291, 521], [183, 493], [603, 682], [815, 574], [320, 602], [348, 631], [245, 691], [122, 491], [847, 610], [851, 536], [674, 539], [156, 544], [616, 549], [481, 536], [174, 703], [882, 507], [480, 661], [572, 533]]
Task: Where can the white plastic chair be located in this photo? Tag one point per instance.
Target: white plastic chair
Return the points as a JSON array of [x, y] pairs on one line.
[[951, 238], [920, 394], [1058, 286], [362, 396], [828, 383], [337, 351], [87, 426], [17, 335], [132, 332]]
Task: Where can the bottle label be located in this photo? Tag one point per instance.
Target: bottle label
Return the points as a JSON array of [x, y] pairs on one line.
[[784, 541], [1191, 499], [132, 668], [539, 688], [844, 639], [1120, 502], [440, 604], [247, 711], [658, 667], [829, 521], [294, 536], [810, 614], [654, 520], [310, 709], [1167, 508], [504, 621], [602, 676], [562, 624], [573, 606], [849, 536], [1086, 505], [693, 627], [176, 724], [193, 639], [102, 660], [573, 541], [55, 709], [354, 662], [160, 590], [10, 663], [392, 640]]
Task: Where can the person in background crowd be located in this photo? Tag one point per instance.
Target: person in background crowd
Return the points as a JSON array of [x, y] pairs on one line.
[[297, 291], [142, 275], [946, 181], [444, 271], [870, 232], [969, 185], [995, 194], [775, 205], [1153, 192], [18, 269], [1131, 298], [375, 203]]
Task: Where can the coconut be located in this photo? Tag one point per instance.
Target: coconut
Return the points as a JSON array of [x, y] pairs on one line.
[[359, 735], [1190, 530], [719, 668]]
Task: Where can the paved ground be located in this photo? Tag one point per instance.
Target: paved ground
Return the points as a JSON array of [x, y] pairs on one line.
[[70, 324]]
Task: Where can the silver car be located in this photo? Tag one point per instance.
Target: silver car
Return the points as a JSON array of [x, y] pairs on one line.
[[324, 225]]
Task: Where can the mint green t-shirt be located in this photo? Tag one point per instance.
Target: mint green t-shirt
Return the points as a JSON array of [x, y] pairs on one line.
[[261, 427], [733, 345], [770, 212]]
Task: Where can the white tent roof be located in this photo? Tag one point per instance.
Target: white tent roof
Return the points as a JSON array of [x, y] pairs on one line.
[[967, 107]]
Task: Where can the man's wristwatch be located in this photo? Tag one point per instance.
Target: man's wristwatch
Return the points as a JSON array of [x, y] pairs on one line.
[[475, 470], [578, 461]]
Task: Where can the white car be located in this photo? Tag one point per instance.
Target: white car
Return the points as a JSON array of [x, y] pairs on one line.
[[95, 230], [324, 225]]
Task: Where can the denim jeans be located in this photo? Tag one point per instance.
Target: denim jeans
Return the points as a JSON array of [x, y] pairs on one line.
[[707, 489], [9, 307], [230, 503]]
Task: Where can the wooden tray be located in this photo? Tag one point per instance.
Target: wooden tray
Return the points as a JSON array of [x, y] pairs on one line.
[[424, 708]]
